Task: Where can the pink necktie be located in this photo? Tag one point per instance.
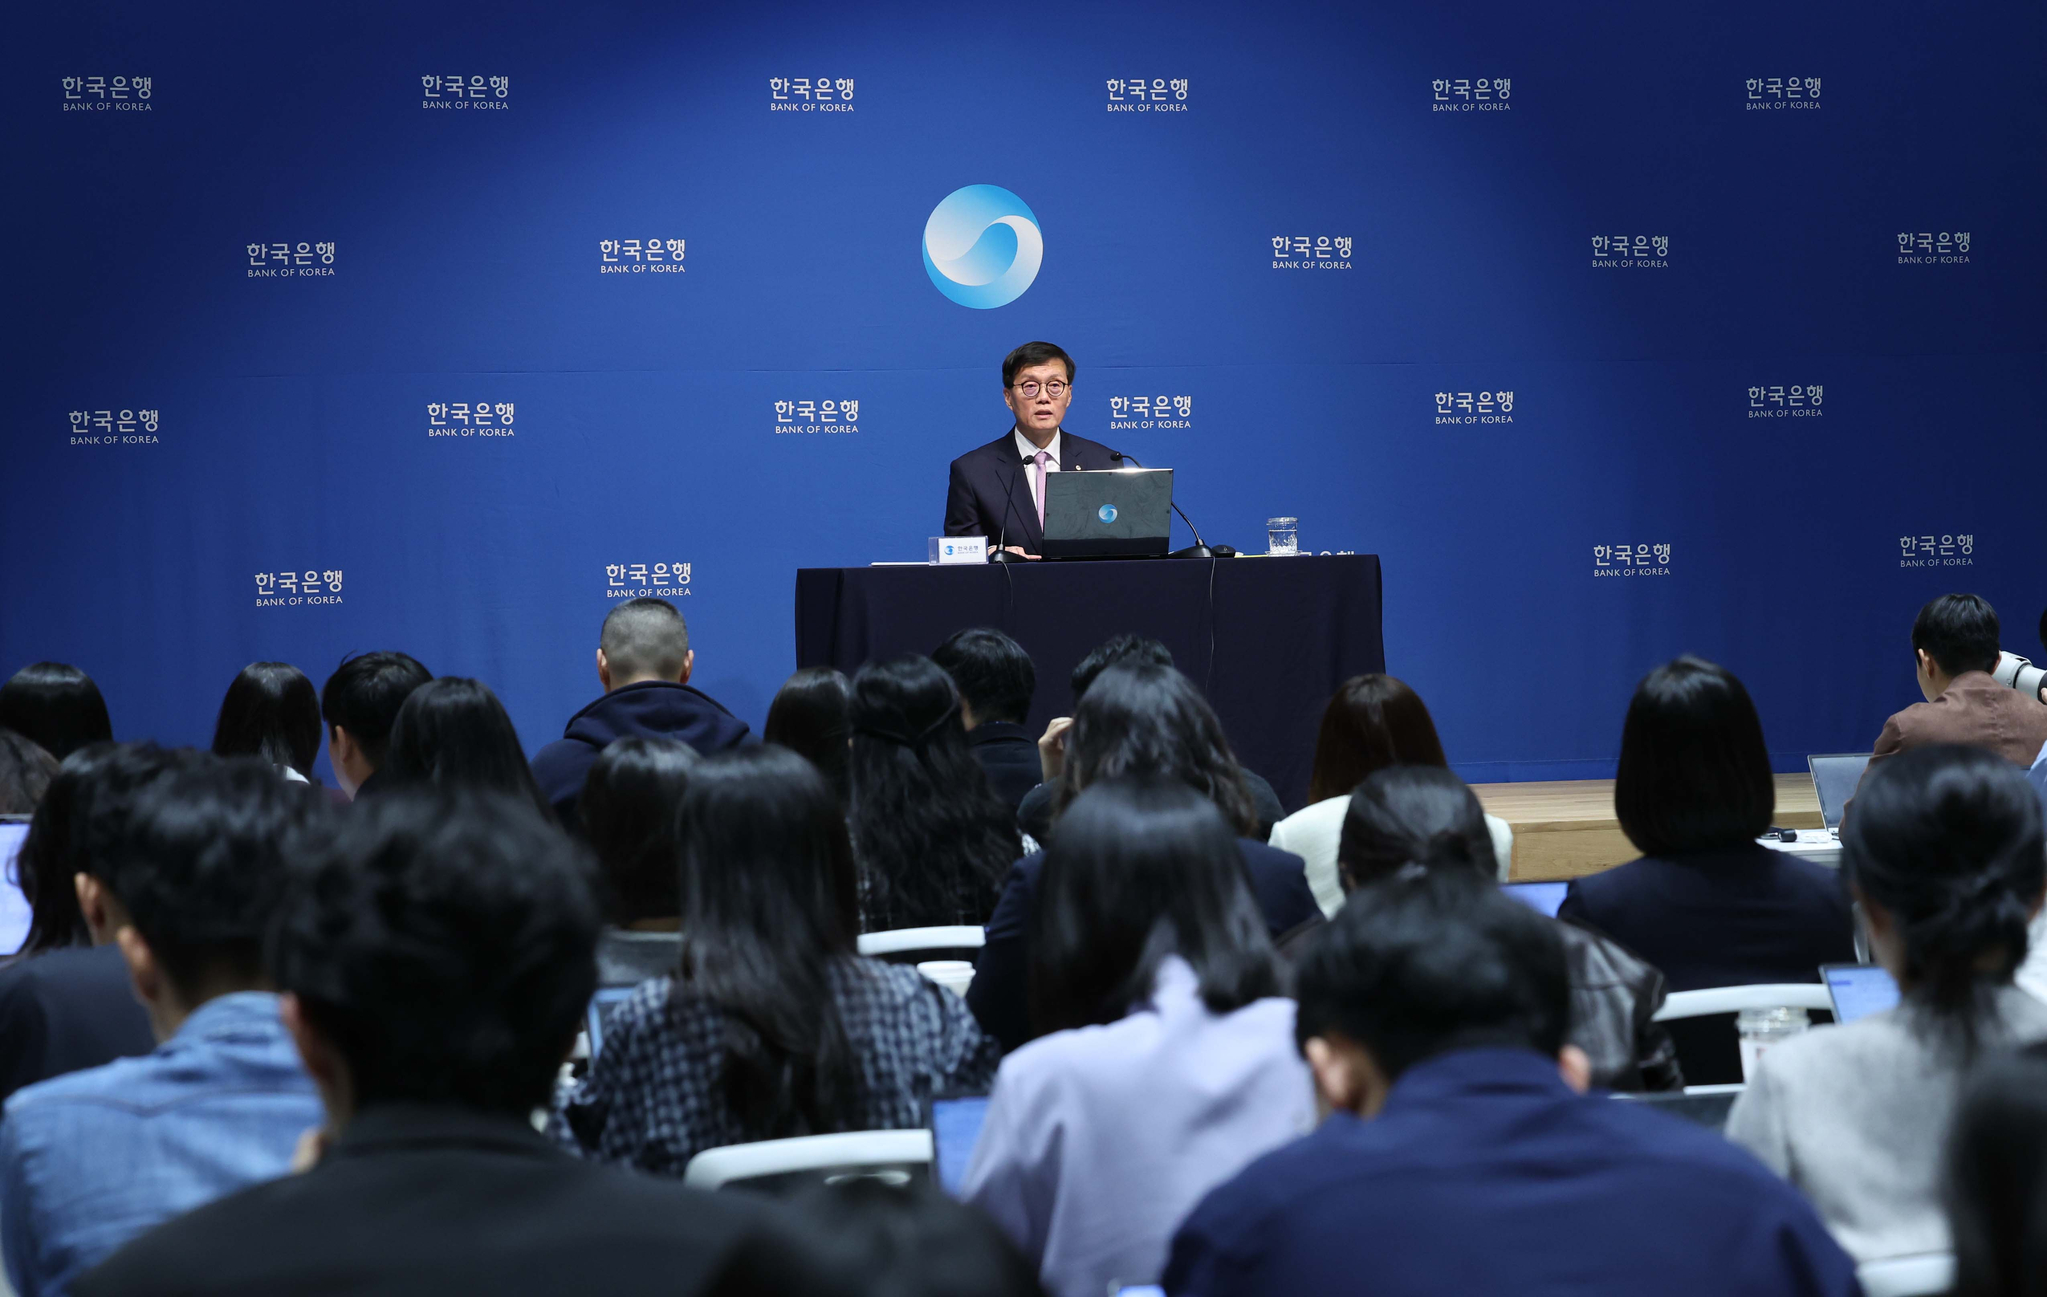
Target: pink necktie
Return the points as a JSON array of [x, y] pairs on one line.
[[1044, 457]]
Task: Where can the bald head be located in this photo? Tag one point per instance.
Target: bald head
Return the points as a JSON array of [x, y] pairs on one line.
[[643, 639]]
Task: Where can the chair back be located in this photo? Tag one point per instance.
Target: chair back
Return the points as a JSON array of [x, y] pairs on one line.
[[1733, 999], [778, 1165], [898, 941], [1922, 1275]]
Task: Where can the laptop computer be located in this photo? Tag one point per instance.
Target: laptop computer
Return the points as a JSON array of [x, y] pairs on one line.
[[14, 908], [1834, 776], [1543, 898], [601, 1005], [1859, 990], [1110, 513], [955, 1121]]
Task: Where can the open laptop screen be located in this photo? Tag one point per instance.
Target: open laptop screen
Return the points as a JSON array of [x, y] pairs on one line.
[[14, 911], [1834, 777], [1543, 898], [1859, 990], [955, 1127]]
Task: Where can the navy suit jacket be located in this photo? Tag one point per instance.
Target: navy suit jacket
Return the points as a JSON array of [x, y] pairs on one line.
[[1484, 1173], [1009, 755], [990, 490], [999, 994]]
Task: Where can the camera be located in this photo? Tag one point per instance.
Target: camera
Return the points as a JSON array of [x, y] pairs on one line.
[[2015, 672]]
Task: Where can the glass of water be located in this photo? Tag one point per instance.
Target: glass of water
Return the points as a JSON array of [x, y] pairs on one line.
[[1283, 536]]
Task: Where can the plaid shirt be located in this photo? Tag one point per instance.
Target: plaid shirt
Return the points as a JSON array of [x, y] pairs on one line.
[[652, 1101]]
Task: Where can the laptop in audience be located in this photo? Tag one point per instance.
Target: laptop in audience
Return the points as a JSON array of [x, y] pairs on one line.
[[1115, 513], [14, 908], [601, 1005], [1859, 990], [1834, 777], [1543, 898], [1706, 1105], [955, 1124]]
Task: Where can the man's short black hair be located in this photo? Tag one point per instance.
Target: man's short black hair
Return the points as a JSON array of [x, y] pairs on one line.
[[1959, 632], [1425, 963], [445, 943], [645, 637], [364, 694], [1032, 354], [1117, 650], [203, 863], [992, 672], [105, 809]]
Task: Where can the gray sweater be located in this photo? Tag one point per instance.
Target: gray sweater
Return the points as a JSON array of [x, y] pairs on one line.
[[1857, 1117]]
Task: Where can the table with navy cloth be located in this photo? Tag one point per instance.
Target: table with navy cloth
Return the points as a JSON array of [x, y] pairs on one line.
[[1266, 639]]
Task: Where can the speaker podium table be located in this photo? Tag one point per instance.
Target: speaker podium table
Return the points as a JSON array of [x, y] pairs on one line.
[[1266, 639]]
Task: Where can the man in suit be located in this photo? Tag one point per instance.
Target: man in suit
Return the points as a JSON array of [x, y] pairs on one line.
[[436, 952], [996, 680], [359, 702], [1954, 642], [998, 491]]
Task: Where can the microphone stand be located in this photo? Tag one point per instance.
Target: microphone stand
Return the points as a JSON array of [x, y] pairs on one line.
[[1200, 548], [1001, 553]]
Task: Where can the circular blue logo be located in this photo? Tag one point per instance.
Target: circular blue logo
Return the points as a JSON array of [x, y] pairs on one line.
[[982, 247], [1107, 513]]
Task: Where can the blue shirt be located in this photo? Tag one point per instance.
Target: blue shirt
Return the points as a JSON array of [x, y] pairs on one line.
[[91, 1159], [1484, 1173]]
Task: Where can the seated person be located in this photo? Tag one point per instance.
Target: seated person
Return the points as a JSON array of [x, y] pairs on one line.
[[360, 703], [1945, 855], [55, 706], [644, 662], [1170, 1062], [1461, 1154], [1996, 1180], [808, 717], [26, 771], [932, 841], [996, 680], [92, 1159], [772, 1026], [1373, 721], [435, 954], [1034, 813], [1134, 720], [629, 805], [998, 490], [860, 1237], [454, 733], [1954, 645], [1407, 816], [270, 711]]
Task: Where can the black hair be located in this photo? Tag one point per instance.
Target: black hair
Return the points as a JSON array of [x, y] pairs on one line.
[[444, 941], [1137, 870], [1117, 650], [1413, 815], [768, 906], [453, 732], [808, 717], [992, 672], [1372, 721], [628, 810], [364, 694], [1996, 1179], [204, 863], [271, 712], [25, 773], [934, 842], [1959, 632], [55, 706], [1694, 770], [1030, 355], [1431, 961], [1948, 840], [1149, 719], [644, 637]]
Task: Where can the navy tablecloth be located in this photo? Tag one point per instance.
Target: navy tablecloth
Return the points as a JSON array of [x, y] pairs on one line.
[[1267, 639]]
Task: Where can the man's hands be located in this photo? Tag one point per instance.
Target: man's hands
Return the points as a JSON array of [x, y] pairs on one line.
[[1021, 552], [1052, 748]]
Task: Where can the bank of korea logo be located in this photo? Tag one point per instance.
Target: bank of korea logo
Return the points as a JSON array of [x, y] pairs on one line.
[[982, 247], [1107, 513]]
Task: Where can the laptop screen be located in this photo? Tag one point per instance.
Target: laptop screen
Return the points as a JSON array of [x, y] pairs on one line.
[[1834, 778], [1859, 990], [14, 911], [1544, 898], [955, 1127]]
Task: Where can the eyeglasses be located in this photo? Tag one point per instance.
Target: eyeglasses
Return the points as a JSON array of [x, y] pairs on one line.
[[1029, 388]]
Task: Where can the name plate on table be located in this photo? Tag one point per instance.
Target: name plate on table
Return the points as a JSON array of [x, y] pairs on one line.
[[958, 549]]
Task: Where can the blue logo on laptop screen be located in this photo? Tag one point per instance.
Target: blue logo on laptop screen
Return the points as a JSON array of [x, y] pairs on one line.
[[981, 246], [1107, 513]]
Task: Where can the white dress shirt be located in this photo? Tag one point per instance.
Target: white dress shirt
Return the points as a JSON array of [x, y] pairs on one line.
[[1029, 450]]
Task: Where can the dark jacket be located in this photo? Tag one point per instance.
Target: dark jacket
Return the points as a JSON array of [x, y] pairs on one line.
[[988, 492], [1614, 999], [1034, 813], [67, 1010], [1010, 756], [434, 1201], [652, 709], [999, 994]]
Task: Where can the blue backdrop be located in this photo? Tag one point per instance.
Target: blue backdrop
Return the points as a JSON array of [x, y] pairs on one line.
[[1800, 395]]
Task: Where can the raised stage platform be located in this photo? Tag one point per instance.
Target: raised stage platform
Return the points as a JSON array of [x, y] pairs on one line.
[[1567, 828]]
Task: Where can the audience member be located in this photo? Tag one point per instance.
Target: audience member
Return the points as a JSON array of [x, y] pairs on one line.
[[1954, 642], [1134, 720], [1944, 853], [1461, 1154], [25, 773], [90, 1160], [1034, 814], [1996, 1179], [996, 680], [932, 842], [453, 733], [808, 717], [436, 954], [1405, 816], [66, 1003], [360, 703], [644, 663], [630, 803], [55, 706], [1170, 1062], [1372, 721], [771, 1026], [271, 712]]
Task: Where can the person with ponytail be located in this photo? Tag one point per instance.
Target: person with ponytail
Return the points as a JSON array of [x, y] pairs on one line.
[[1946, 857], [1426, 816]]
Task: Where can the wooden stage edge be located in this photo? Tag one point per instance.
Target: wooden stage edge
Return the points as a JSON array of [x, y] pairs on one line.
[[1567, 828]]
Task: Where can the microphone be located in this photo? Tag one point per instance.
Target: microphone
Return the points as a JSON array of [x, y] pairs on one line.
[[1200, 548], [1001, 552]]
